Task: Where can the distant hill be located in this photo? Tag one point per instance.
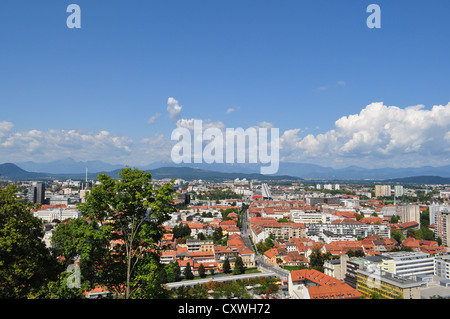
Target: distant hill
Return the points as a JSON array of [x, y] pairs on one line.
[[68, 166], [12, 171], [288, 171], [433, 180], [189, 173], [303, 170]]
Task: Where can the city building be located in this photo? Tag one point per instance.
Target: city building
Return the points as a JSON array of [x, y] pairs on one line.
[[408, 264], [382, 190], [36, 193], [435, 207], [398, 190], [442, 226], [313, 284], [442, 266], [352, 229], [51, 214], [409, 213], [389, 286]]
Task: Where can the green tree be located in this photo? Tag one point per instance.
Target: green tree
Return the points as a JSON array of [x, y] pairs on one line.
[[26, 265], [226, 266], [376, 295], [188, 272], [411, 233], [173, 271], [201, 271], [217, 235], [397, 235], [316, 259], [425, 217], [425, 233], [394, 219], [181, 230], [133, 210], [84, 242], [201, 236], [199, 292], [238, 266], [183, 292]]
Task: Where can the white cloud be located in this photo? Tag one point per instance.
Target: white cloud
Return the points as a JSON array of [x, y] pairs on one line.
[[379, 134], [173, 108], [230, 110], [39, 145], [153, 118]]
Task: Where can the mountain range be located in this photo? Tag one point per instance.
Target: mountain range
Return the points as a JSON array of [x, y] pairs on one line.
[[294, 171], [12, 171]]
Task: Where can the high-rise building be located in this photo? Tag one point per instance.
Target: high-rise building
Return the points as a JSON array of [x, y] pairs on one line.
[[36, 193], [442, 226], [382, 190], [398, 190], [40, 193], [408, 264], [409, 213], [434, 207], [31, 194]]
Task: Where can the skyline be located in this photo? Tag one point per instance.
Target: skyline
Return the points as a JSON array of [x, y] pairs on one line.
[[340, 93]]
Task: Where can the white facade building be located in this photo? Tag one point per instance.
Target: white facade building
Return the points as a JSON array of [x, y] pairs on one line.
[[48, 215], [408, 264]]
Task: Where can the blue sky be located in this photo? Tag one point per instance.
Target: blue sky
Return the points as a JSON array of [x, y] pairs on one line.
[[299, 66]]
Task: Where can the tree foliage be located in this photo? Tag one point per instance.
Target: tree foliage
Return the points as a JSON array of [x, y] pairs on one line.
[[26, 265], [132, 210], [238, 266]]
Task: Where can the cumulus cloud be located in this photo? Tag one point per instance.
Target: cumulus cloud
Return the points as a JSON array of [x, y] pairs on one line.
[[378, 132], [173, 108], [39, 145]]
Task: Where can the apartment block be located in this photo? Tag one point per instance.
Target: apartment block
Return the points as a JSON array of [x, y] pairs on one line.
[[409, 213], [442, 226], [408, 264], [382, 190], [442, 266], [386, 284]]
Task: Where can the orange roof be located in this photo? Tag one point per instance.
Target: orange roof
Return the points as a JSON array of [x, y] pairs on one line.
[[168, 253], [228, 223], [271, 253], [312, 275], [325, 286], [371, 220], [411, 242], [45, 206], [334, 291]]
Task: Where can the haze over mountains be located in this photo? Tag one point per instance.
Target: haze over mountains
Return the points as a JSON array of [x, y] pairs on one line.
[[72, 168]]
